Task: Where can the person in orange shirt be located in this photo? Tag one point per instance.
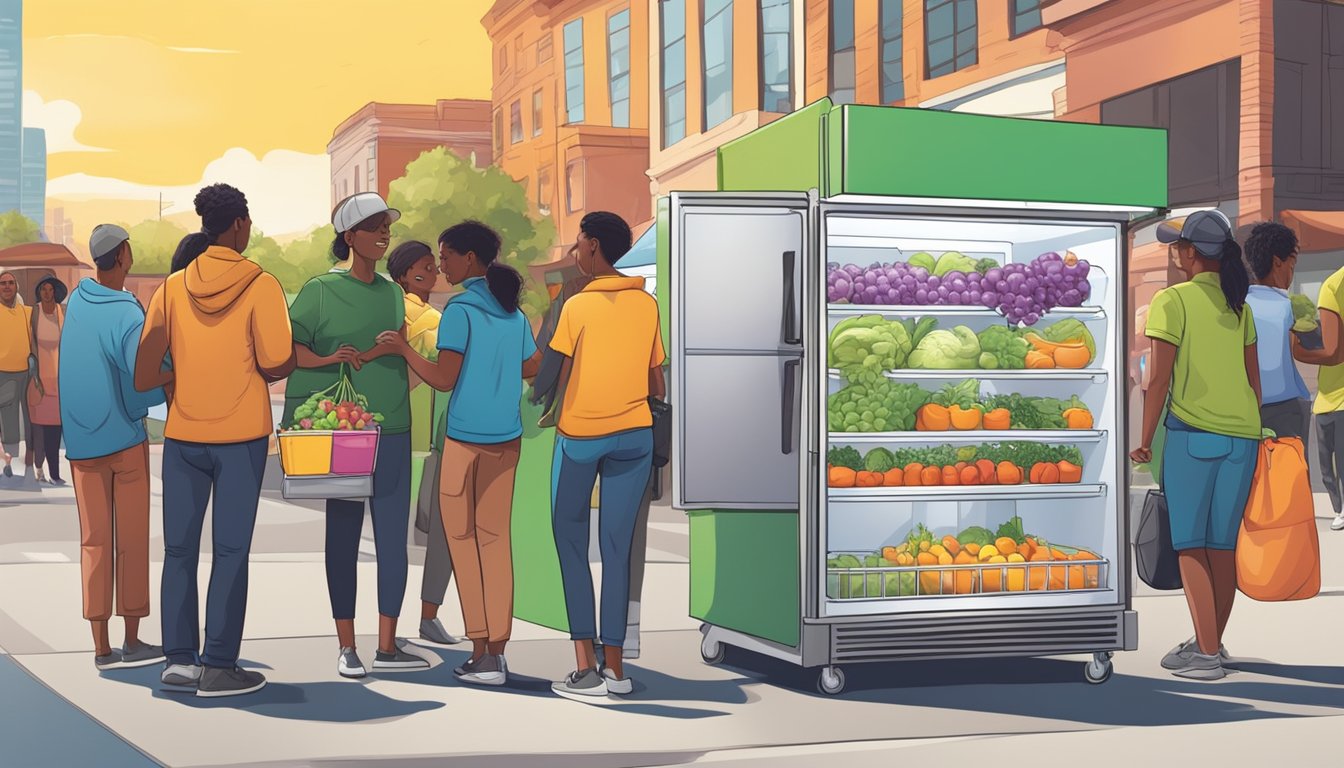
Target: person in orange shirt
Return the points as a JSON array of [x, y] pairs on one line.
[[226, 325]]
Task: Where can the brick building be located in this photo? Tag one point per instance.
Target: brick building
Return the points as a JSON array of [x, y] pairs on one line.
[[722, 68], [1251, 93], [372, 148], [570, 106]]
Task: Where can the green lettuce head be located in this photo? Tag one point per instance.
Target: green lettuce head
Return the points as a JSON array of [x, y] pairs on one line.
[[957, 349]]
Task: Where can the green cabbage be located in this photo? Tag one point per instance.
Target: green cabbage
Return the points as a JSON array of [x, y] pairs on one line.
[[1000, 347], [869, 342], [1071, 330], [954, 262], [1304, 314], [923, 260], [957, 349]]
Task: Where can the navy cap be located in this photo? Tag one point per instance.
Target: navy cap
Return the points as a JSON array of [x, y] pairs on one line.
[[1206, 230]]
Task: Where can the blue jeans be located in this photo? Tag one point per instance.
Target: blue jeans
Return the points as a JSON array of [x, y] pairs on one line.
[[390, 505], [624, 461], [191, 471], [1207, 479]]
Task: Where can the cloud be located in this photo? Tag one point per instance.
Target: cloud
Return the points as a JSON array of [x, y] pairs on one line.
[[287, 192], [199, 50], [59, 119], [96, 36]]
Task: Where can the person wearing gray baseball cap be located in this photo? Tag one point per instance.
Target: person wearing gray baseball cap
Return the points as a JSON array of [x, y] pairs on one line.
[[1205, 358], [336, 319]]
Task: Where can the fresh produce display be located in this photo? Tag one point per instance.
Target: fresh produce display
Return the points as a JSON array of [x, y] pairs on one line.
[[1021, 292], [1305, 318], [338, 407], [974, 561], [888, 406], [866, 346], [1009, 463]]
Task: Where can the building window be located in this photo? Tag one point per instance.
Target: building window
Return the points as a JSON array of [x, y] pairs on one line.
[[536, 112], [950, 32], [519, 59], [499, 132], [503, 59], [1201, 113], [372, 184], [776, 55], [673, 25], [893, 70], [717, 47], [515, 122], [574, 186], [574, 71], [544, 49], [618, 57], [544, 191], [843, 72], [356, 178], [1026, 16]]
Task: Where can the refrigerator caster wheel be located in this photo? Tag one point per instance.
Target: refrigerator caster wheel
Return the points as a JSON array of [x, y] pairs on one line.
[[831, 681], [712, 651], [1099, 669]]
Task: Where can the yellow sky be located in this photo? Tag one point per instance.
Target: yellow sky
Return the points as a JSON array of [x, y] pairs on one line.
[[264, 75]]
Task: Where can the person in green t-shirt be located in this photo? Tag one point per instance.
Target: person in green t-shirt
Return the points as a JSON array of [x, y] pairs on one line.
[[336, 320], [1204, 356], [1329, 405]]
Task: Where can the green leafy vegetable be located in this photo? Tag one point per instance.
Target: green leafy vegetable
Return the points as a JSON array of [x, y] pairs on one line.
[[1304, 314], [957, 349], [964, 395], [923, 260], [1071, 330], [984, 265], [879, 460], [954, 262], [1006, 349], [975, 535], [879, 405], [869, 342], [922, 329], [1013, 530], [845, 456]]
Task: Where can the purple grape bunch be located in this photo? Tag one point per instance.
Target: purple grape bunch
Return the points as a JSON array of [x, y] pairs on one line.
[[1021, 292]]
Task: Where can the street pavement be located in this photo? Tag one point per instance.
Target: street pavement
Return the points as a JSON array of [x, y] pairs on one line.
[[56, 710]]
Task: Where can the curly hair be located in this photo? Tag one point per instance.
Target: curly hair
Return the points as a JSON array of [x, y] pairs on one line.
[[405, 256], [611, 233], [1269, 242], [219, 206]]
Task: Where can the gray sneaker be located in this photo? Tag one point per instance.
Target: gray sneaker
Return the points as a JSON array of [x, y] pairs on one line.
[[488, 670], [144, 655], [1203, 667], [588, 684], [1338, 524], [109, 660], [401, 661], [181, 677], [349, 665], [433, 631], [1179, 657], [621, 686], [217, 682]]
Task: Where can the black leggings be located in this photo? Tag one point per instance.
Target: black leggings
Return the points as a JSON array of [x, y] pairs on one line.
[[47, 445]]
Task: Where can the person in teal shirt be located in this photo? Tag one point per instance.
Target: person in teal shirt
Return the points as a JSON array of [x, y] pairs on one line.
[[1204, 356], [336, 320]]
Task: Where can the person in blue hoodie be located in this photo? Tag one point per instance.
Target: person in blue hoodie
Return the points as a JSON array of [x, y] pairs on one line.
[[486, 350], [104, 419]]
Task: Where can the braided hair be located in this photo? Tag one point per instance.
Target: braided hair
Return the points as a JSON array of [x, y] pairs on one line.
[[219, 206]]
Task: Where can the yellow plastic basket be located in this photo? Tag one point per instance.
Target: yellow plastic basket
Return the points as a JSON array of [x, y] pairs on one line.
[[304, 454]]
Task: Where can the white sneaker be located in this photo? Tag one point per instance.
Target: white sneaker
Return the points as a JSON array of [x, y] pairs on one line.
[[489, 670], [621, 686], [181, 677], [1338, 524], [349, 665]]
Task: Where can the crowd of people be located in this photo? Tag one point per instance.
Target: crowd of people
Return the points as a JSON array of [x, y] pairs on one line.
[[219, 331], [1224, 375]]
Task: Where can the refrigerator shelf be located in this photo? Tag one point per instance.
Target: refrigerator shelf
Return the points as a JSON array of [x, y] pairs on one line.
[[1021, 492], [972, 436], [1028, 374], [952, 310], [978, 580]]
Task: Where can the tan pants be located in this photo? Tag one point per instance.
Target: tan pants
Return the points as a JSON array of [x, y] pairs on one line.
[[113, 497], [476, 501]]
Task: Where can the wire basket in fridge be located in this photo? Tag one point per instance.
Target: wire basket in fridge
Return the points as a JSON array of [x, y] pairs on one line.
[[890, 581]]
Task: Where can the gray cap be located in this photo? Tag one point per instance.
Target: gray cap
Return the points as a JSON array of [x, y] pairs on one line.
[[356, 208], [1206, 230], [105, 239]]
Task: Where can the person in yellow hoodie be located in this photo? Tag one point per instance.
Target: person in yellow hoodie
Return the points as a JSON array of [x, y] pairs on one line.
[[224, 323]]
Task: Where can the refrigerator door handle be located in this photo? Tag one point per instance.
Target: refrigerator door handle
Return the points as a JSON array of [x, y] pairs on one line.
[[786, 406], [791, 332]]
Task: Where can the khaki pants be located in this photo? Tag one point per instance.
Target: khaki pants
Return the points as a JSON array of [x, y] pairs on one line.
[[476, 501], [112, 493]]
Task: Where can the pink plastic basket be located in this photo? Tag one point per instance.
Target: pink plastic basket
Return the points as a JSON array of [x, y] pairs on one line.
[[354, 453]]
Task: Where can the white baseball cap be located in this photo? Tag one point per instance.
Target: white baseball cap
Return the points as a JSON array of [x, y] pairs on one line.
[[357, 208]]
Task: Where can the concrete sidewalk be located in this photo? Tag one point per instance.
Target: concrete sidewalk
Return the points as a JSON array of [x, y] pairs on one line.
[[682, 710]]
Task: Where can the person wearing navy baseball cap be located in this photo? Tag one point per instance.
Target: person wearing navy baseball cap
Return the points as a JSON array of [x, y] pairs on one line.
[[1204, 357]]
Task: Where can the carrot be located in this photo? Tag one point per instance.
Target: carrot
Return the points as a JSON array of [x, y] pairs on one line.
[[868, 479], [914, 473], [893, 477], [931, 476], [1049, 474], [999, 419], [935, 417], [841, 477], [1037, 472], [1078, 418], [1008, 473], [951, 476], [970, 476], [987, 474], [1070, 472]]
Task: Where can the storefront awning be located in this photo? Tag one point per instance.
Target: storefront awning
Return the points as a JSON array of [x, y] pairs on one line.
[[39, 255], [1317, 230]]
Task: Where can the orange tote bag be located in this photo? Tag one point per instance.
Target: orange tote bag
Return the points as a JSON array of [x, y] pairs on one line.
[[1278, 553]]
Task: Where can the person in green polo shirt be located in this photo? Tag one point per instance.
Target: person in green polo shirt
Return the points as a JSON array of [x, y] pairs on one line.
[[336, 320], [1204, 357]]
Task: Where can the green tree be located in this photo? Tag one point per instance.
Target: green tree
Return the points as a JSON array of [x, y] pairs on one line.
[[440, 189], [17, 229], [153, 243], [294, 264]]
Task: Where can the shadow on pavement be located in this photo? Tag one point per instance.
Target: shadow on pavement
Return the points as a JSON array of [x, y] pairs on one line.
[[1054, 689]]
